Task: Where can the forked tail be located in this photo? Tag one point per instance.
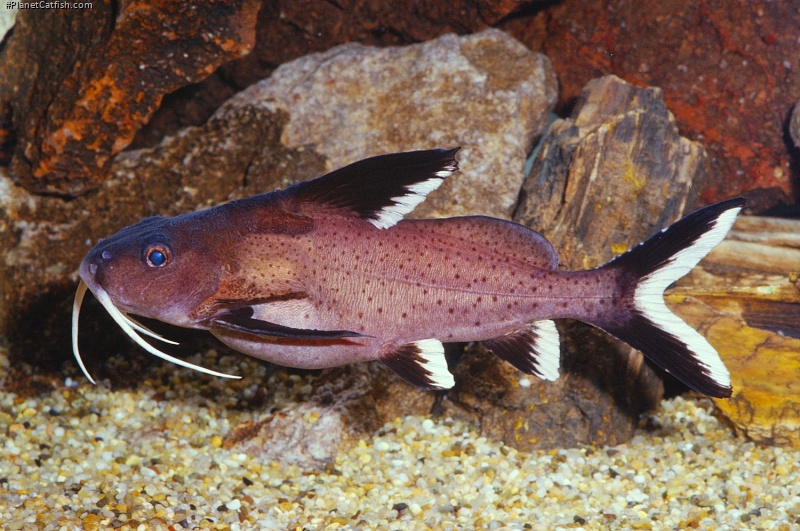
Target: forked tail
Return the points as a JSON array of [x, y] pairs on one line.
[[648, 325]]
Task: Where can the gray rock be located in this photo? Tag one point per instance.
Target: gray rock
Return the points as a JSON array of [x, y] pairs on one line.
[[485, 92], [794, 125]]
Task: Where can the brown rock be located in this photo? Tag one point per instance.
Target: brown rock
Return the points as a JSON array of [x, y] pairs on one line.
[[80, 82], [289, 29], [604, 180], [729, 72]]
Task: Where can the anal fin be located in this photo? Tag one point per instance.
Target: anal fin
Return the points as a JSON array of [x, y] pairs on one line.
[[421, 363], [533, 349]]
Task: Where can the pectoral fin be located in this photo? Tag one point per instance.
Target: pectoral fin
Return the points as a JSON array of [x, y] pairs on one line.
[[241, 320], [421, 364]]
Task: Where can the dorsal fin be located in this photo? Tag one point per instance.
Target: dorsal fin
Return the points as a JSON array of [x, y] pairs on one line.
[[380, 189]]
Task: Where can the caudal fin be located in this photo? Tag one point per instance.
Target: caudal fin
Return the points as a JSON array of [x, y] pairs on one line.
[[647, 270]]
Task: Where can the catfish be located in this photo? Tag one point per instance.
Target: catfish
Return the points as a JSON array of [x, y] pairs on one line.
[[328, 272]]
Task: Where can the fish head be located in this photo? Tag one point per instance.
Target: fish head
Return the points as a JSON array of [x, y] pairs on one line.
[[158, 268]]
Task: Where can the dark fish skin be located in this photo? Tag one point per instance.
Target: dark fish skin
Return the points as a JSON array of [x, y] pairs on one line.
[[325, 273]]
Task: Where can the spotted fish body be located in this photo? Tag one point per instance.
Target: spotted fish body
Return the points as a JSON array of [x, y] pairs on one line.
[[327, 273]]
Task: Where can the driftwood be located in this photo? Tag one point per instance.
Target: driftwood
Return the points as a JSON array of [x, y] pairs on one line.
[[745, 298]]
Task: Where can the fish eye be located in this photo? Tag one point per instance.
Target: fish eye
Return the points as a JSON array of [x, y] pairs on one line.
[[157, 255]]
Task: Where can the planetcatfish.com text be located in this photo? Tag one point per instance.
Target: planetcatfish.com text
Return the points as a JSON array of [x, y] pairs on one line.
[[48, 5]]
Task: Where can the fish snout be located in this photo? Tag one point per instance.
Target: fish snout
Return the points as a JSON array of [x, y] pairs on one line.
[[94, 265]]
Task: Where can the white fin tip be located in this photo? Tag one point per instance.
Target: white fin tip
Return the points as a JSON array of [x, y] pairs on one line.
[[432, 353]]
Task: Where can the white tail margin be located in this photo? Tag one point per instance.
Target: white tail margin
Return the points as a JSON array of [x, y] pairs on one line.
[[651, 327]]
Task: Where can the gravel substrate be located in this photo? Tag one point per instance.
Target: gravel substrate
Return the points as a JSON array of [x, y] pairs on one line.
[[152, 457]]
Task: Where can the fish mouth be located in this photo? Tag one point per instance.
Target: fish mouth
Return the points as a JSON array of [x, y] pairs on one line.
[[130, 326]]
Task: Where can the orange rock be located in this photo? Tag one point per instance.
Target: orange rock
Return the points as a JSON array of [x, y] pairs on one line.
[[81, 82]]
